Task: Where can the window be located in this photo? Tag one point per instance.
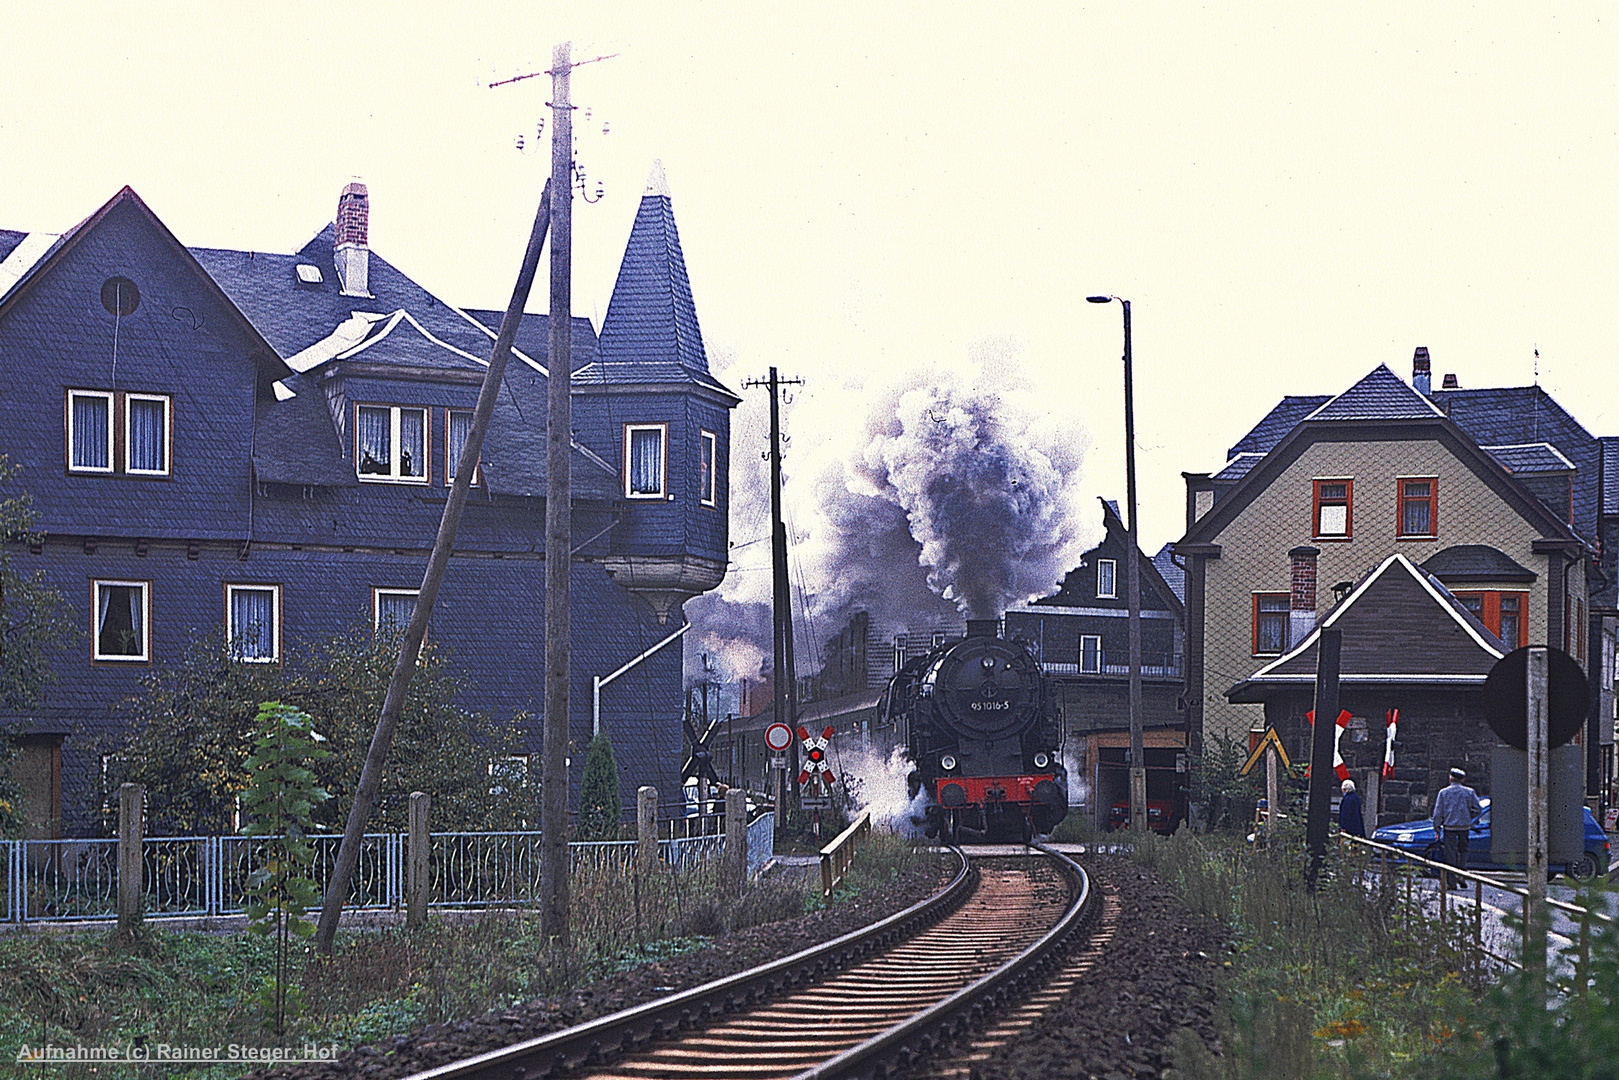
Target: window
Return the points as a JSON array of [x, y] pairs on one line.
[[1505, 614], [390, 443], [457, 426], [122, 620], [146, 446], [391, 609], [253, 620], [1419, 507], [1270, 623], [707, 455], [1107, 579], [1332, 508], [117, 432], [643, 460], [89, 431], [1090, 654]]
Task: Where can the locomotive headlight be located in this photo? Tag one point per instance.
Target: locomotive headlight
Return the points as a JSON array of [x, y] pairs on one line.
[[948, 763], [1042, 759]]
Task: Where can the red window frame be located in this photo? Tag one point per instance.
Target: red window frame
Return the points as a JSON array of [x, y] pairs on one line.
[[1402, 499], [1286, 613], [1489, 612], [1347, 502]]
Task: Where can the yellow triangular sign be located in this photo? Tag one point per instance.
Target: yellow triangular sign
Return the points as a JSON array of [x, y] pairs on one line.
[[1270, 738]]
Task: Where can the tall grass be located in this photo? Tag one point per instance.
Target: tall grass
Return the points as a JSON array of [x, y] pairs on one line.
[[1348, 979]]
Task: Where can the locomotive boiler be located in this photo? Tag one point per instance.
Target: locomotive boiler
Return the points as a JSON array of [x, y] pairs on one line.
[[980, 723]]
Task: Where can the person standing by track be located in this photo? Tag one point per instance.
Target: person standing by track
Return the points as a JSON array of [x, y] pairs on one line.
[[1350, 816], [1454, 810]]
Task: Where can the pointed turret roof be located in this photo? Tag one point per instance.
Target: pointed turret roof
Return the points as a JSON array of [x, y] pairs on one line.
[[1381, 395], [651, 317]]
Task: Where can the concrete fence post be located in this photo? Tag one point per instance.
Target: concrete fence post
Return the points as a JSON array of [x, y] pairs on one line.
[[736, 842], [131, 867], [417, 876], [646, 829]]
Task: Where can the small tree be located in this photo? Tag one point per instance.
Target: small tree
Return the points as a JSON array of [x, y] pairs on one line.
[[599, 806], [281, 794]]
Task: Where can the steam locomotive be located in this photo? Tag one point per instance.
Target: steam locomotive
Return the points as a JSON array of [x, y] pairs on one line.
[[979, 720]]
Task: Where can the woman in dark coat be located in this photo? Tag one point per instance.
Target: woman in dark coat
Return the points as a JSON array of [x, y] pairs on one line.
[[1349, 812]]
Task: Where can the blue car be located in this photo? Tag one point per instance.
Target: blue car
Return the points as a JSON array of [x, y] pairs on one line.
[[1420, 838]]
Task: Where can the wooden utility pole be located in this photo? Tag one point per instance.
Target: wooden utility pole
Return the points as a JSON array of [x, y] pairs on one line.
[[786, 688], [1328, 649], [558, 518], [393, 704]]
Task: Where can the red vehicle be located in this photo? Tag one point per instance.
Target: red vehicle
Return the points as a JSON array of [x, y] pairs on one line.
[[1160, 815]]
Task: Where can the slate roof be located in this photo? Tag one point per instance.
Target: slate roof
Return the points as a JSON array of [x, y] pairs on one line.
[[1530, 458], [294, 441], [534, 335], [1516, 415], [1238, 467], [1381, 395], [651, 316], [1173, 575], [1277, 423], [9, 239], [1400, 626], [1476, 562], [625, 373]]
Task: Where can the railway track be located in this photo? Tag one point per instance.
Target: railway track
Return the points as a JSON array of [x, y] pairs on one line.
[[854, 1007]]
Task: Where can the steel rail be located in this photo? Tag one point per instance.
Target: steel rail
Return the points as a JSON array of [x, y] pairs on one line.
[[636, 1026], [961, 1011]]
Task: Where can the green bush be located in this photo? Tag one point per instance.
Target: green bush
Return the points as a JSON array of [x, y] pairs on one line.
[[600, 811]]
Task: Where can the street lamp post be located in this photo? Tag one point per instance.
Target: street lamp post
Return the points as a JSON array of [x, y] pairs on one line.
[[1138, 763]]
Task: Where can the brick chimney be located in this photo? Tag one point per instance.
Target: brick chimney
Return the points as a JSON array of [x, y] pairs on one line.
[[1451, 383], [1422, 371], [351, 244], [1301, 608]]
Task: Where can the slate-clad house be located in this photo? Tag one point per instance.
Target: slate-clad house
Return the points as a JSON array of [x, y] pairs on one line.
[[260, 446], [1499, 496], [1082, 634]]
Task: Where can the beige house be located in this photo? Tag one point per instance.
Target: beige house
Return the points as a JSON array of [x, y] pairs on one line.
[[1276, 538]]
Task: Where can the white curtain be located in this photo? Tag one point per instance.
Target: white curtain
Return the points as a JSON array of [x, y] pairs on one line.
[[394, 610], [148, 441], [252, 616], [90, 450], [460, 426], [646, 461], [374, 436], [412, 443]]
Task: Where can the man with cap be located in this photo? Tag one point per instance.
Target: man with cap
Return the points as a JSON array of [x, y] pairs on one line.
[[1349, 811], [1454, 811]]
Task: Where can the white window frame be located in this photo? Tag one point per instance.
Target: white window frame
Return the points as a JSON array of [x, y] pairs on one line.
[[1113, 570], [377, 592], [395, 444], [275, 620], [145, 655], [449, 471], [112, 444], [1100, 659], [168, 434], [663, 461], [711, 442]]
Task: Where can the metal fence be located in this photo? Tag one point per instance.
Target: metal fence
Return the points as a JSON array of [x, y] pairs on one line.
[[77, 880]]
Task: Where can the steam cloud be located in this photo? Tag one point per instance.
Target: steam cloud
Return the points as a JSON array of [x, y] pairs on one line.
[[954, 494]]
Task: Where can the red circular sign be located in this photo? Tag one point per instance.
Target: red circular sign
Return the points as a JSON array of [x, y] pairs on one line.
[[778, 737]]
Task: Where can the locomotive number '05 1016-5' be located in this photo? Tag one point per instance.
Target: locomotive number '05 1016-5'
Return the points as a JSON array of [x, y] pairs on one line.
[[981, 726]]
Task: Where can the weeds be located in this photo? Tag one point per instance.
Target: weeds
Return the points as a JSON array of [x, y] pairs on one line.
[[1342, 981]]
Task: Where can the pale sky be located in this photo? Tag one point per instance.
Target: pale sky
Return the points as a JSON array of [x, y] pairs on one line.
[[1288, 194]]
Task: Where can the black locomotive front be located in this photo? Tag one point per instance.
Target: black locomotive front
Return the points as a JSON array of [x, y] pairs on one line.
[[981, 726]]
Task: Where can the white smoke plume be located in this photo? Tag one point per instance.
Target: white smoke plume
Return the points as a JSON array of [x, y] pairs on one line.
[[876, 782], [943, 492]]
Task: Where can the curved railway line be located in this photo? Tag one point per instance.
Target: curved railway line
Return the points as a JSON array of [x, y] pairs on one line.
[[1000, 933]]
